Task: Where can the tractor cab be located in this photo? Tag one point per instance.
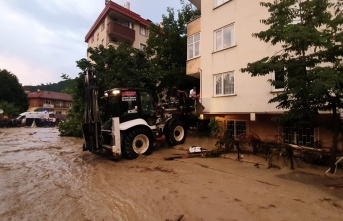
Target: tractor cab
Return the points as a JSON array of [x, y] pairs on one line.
[[129, 104]]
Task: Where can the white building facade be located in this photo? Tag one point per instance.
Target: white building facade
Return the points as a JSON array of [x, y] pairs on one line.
[[220, 43]]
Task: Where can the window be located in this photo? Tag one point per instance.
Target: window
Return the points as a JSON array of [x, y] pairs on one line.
[[299, 134], [97, 37], [279, 77], [142, 46], [236, 127], [92, 39], [193, 46], [147, 103], [224, 84], [59, 103], [102, 41], [224, 38], [102, 26], [144, 31], [219, 2], [47, 102]]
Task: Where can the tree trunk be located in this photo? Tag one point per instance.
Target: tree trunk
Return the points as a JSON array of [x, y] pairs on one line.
[[333, 151]]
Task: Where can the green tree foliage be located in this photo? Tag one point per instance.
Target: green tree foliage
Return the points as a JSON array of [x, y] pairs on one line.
[[72, 127], [310, 33], [11, 91], [122, 67], [56, 87], [9, 109], [167, 46]]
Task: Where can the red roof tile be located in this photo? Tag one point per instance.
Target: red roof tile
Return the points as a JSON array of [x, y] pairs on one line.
[[50, 95]]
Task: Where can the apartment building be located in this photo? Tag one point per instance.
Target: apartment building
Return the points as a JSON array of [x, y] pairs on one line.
[[117, 24], [52, 102], [220, 43]]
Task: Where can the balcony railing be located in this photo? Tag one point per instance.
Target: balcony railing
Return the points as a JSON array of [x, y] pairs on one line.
[[48, 105], [115, 29]]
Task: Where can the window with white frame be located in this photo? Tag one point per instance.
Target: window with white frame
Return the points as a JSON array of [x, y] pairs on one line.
[[193, 46], [143, 31], [224, 84], [219, 2], [224, 37]]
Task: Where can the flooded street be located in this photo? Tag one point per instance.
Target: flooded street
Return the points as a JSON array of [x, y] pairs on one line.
[[47, 177]]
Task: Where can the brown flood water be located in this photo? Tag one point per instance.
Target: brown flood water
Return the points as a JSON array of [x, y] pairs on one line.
[[47, 177]]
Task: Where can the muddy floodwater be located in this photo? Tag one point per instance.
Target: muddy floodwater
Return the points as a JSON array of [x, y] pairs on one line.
[[47, 177]]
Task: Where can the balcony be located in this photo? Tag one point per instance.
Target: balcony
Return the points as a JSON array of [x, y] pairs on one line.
[[196, 3], [193, 65], [48, 105], [122, 33]]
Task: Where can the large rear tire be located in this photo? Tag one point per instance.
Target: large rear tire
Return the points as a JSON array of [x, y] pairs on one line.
[[176, 133], [136, 142]]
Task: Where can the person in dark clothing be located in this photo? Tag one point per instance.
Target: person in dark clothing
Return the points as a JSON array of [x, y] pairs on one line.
[[174, 93]]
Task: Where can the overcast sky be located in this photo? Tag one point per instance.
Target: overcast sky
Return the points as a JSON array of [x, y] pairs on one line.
[[41, 39]]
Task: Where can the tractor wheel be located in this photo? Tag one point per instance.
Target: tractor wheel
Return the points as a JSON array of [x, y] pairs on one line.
[[136, 142], [176, 133]]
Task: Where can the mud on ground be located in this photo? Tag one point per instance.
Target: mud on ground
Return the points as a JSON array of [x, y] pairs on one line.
[[47, 177]]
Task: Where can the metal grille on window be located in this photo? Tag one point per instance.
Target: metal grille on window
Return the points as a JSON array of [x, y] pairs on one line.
[[230, 128], [299, 134], [241, 127], [235, 128]]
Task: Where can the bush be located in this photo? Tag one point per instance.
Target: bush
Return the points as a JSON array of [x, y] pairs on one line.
[[215, 129], [71, 127]]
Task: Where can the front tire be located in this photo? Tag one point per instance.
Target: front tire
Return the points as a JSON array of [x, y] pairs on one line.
[[176, 133], [136, 142]]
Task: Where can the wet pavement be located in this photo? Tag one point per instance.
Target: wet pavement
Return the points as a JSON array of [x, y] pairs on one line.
[[47, 177]]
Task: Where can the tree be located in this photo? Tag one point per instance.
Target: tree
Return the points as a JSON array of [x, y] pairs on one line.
[[11, 91], [167, 46], [9, 109], [121, 67], [309, 64]]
